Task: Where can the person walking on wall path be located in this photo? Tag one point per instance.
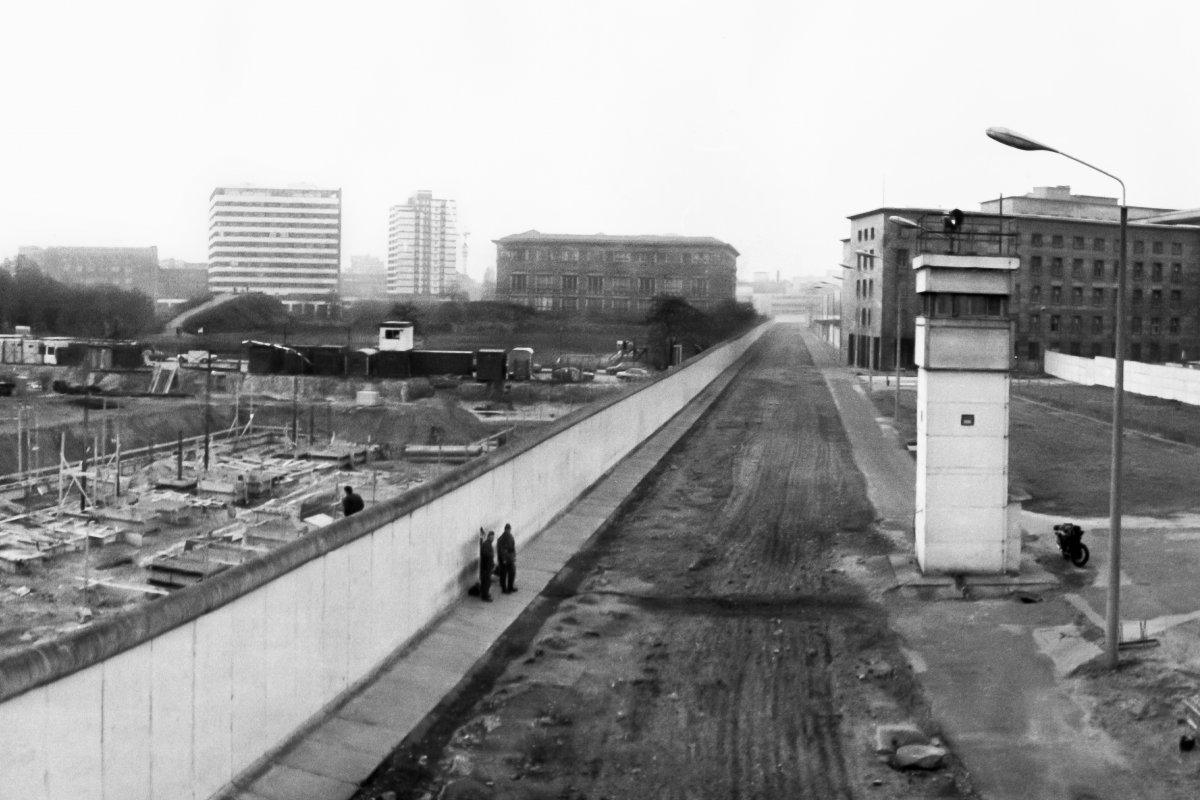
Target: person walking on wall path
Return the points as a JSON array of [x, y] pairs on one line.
[[506, 555], [351, 503], [487, 563]]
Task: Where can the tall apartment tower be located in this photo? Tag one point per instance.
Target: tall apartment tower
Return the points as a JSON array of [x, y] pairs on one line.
[[283, 242], [422, 247]]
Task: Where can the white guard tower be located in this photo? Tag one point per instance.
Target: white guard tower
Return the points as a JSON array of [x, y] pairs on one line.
[[396, 336], [963, 352]]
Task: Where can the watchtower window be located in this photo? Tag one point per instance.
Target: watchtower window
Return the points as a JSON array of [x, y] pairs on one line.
[[977, 306]]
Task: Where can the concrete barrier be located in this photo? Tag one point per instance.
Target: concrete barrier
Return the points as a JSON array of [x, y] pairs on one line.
[[176, 698], [1168, 381]]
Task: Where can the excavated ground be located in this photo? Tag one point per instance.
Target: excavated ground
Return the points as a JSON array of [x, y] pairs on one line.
[[707, 644]]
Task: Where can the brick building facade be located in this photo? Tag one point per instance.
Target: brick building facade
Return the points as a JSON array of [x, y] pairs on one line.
[[602, 273], [1064, 294]]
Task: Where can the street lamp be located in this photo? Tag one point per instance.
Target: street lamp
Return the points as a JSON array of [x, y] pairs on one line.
[[1112, 622]]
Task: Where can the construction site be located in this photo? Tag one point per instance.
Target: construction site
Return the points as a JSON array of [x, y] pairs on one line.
[[136, 486]]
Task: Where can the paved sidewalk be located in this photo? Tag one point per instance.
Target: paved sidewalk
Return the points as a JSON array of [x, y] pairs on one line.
[[329, 761]]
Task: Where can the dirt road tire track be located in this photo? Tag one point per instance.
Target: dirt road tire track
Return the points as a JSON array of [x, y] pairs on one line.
[[712, 647]]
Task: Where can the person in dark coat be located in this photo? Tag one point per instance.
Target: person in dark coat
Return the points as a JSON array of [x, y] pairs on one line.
[[351, 503], [487, 564], [506, 556]]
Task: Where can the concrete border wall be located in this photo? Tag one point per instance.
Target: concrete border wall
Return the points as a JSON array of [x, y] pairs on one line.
[[176, 698], [1151, 380]]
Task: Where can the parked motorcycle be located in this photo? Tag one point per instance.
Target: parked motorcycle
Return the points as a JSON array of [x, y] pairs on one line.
[[1070, 542]]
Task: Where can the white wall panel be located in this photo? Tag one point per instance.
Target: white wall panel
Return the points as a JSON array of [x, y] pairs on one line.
[[171, 713]]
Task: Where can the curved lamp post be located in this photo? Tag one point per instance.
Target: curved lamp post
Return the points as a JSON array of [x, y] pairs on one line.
[[1112, 621]]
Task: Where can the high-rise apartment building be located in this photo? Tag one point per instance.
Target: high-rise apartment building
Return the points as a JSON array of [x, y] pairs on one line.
[[422, 247], [283, 242]]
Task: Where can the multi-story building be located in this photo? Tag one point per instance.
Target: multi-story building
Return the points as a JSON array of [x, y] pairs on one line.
[[423, 247], [1064, 294], [178, 282], [612, 273], [126, 267], [283, 242]]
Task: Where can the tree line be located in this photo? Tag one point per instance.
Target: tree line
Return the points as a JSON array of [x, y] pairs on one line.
[[53, 308]]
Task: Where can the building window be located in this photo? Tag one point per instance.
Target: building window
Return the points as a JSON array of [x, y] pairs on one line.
[[1035, 293], [1035, 240], [1055, 323], [545, 281], [1077, 268], [1173, 325], [1135, 325], [620, 257], [672, 286], [543, 303], [1097, 325], [646, 286], [1135, 351], [1056, 267], [1176, 298], [1098, 245], [1176, 248], [1155, 325], [1035, 265], [1156, 272], [1056, 240], [620, 284], [1139, 270], [1139, 247], [1176, 272], [1056, 295], [1098, 269], [1077, 296], [697, 287], [595, 284], [1156, 248], [1076, 324], [520, 281], [1137, 297], [1035, 322], [1156, 298], [570, 283], [1076, 348], [1097, 297], [1077, 243]]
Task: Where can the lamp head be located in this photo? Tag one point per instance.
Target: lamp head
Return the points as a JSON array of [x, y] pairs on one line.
[[1014, 139]]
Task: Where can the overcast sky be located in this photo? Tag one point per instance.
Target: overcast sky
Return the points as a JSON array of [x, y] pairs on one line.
[[761, 123]]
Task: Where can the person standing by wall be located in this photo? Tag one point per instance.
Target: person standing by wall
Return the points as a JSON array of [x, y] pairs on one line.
[[351, 503], [506, 555], [487, 563]]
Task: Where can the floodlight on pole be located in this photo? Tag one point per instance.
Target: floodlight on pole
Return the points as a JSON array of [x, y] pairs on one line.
[[1112, 620]]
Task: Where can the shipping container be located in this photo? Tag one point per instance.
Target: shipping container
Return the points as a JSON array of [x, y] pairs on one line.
[[392, 364], [443, 362], [328, 360], [520, 363], [491, 366], [358, 362]]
